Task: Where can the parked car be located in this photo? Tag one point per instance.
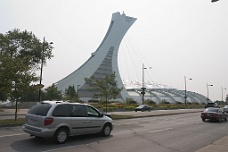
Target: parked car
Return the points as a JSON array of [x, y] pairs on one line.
[[225, 108], [211, 104], [216, 114], [142, 108], [59, 120]]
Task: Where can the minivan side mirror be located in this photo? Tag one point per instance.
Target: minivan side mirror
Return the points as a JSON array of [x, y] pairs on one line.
[[101, 115]]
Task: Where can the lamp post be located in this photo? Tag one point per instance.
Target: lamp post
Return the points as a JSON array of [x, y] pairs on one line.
[[143, 85], [185, 90], [208, 85], [222, 91], [41, 68]]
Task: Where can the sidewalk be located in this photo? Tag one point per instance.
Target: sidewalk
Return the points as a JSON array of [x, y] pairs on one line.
[[220, 145], [154, 113]]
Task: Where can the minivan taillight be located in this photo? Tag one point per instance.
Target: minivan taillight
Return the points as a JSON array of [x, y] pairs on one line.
[[48, 121]]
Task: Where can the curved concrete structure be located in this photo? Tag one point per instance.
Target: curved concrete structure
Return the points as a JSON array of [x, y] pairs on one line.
[[102, 62], [159, 93], [170, 95]]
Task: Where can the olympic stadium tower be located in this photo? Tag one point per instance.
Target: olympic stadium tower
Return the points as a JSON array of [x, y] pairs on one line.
[[102, 62]]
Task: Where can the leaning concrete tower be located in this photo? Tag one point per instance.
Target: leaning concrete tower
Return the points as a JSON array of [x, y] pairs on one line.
[[102, 62]]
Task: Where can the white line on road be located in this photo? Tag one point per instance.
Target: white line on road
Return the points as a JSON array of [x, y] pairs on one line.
[[12, 135], [126, 123], [160, 130], [58, 149]]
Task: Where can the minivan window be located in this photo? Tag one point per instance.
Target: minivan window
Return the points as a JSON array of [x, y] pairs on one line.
[[62, 111], [79, 111], [92, 112], [40, 109]]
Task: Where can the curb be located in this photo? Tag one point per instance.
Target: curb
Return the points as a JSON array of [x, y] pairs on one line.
[[153, 115]]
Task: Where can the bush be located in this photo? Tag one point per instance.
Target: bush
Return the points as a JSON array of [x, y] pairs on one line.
[[164, 102], [150, 102], [93, 101], [130, 101]]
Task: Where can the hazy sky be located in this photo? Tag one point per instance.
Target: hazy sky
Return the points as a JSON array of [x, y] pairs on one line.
[[176, 38]]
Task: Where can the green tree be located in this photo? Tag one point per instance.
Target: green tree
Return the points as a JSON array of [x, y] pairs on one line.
[[20, 58], [104, 88], [31, 96], [71, 94], [130, 101], [52, 93]]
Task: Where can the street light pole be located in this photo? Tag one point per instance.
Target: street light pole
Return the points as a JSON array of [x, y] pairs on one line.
[[41, 70], [143, 86], [208, 85], [185, 91], [222, 91]]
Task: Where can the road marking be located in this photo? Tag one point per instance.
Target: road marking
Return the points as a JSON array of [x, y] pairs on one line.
[[126, 123], [160, 130], [58, 149], [12, 135]]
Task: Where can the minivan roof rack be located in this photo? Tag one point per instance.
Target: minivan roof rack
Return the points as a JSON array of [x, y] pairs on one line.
[[51, 101]]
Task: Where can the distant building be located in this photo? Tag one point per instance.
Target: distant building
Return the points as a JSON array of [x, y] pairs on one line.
[[104, 62], [158, 93]]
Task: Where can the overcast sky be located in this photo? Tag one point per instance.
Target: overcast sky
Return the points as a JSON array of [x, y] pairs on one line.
[[176, 38]]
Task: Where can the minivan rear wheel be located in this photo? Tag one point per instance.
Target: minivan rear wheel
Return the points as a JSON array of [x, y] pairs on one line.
[[61, 135], [106, 131]]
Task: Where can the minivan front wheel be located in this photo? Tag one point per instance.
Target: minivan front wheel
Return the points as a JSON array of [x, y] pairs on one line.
[[106, 131], [61, 135]]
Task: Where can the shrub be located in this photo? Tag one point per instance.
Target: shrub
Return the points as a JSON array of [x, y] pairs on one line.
[[150, 102], [130, 101]]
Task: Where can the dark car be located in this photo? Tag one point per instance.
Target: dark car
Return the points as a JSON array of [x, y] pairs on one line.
[[142, 108], [216, 114], [225, 108]]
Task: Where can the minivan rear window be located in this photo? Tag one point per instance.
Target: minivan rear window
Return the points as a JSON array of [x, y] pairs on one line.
[[40, 109]]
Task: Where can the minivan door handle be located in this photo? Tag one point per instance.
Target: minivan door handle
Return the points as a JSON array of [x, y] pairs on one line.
[[87, 121]]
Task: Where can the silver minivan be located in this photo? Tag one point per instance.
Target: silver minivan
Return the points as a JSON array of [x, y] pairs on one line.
[[59, 120]]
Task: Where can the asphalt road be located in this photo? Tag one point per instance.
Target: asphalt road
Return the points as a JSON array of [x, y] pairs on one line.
[[173, 133]]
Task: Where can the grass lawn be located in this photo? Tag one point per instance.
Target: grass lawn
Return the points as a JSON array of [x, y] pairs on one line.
[[12, 122]]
